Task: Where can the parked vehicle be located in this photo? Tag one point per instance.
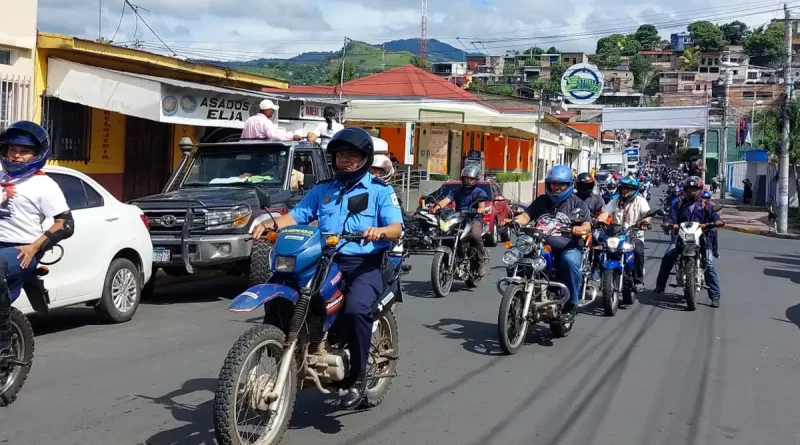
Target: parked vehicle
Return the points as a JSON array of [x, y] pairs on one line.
[[498, 209], [107, 273], [206, 212], [301, 331]]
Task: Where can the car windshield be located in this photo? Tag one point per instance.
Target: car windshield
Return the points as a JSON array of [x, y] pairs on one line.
[[447, 188], [258, 165]]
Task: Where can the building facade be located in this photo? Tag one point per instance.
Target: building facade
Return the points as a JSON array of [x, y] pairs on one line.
[[17, 50]]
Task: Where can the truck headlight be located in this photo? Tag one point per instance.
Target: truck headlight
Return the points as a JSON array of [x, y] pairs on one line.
[[284, 264], [235, 218]]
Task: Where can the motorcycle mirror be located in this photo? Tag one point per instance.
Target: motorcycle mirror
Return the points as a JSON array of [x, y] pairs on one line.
[[357, 204]]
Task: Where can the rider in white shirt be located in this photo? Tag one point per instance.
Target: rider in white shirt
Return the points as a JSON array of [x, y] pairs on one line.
[[28, 198]]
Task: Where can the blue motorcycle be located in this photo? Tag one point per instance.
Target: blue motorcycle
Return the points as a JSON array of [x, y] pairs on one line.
[[300, 332], [616, 263]]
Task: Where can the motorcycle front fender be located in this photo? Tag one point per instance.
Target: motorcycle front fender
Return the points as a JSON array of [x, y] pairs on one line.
[[689, 250], [612, 265], [448, 253], [260, 295]]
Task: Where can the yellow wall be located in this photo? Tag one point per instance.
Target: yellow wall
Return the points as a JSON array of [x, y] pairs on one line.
[[107, 151]]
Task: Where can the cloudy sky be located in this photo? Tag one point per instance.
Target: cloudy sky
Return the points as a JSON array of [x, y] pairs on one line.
[[248, 29]]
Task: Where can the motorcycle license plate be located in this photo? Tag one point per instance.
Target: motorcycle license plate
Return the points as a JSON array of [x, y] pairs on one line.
[[525, 261], [161, 255], [689, 237]]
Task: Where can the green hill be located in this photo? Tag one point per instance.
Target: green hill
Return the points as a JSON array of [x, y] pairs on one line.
[[366, 59]]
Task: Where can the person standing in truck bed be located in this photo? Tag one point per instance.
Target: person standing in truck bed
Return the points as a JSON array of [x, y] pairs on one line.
[[260, 126]]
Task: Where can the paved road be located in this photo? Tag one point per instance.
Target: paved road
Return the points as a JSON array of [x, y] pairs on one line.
[[652, 375]]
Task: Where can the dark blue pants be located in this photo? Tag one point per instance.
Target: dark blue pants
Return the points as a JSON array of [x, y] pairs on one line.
[[363, 278], [15, 274], [11, 277]]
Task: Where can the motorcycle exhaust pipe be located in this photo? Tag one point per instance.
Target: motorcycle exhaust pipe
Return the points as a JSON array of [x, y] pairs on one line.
[[592, 293], [273, 396]]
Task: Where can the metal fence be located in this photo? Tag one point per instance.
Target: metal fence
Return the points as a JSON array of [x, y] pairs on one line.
[[15, 99]]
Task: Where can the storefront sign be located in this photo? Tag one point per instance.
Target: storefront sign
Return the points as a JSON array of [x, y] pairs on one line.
[[106, 134], [582, 83], [207, 105]]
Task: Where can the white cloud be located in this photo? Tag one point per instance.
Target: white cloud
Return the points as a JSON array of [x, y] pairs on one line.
[[248, 29]]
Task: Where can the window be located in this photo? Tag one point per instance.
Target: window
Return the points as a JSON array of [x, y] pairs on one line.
[[70, 127], [764, 95], [669, 88], [5, 57], [687, 77], [713, 69], [735, 72], [79, 194], [304, 162], [752, 75], [687, 88], [703, 69]]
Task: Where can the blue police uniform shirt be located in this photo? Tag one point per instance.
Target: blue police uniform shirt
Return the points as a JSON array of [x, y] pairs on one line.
[[326, 203], [464, 200]]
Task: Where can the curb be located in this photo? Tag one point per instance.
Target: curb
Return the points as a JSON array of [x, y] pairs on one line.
[[762, 232]]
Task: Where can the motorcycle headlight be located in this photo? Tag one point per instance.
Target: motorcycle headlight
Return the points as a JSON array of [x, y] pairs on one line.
[[539, 264], [524, 244], [510, 257], [627, 247], [236, 217], [284, 264], [613, 243], [445, 226]]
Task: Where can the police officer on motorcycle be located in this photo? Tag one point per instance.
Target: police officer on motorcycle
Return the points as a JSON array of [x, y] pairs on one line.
[[560, 207], [691, 207], [381, 223], [28, 198], [465, 198]]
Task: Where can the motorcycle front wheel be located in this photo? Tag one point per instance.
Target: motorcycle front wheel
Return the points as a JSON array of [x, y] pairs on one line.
[[690, 283], [13, 376], [240, 386], [383, 354], [610, 295], [441, 275], [512, 324]]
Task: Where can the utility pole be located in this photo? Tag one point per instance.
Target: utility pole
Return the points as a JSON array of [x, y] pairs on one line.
[[341, 76], [723, 158], [705, 139], [783, 165], [100, 20], [538, 146]]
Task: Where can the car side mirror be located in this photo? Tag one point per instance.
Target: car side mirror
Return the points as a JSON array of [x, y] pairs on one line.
[[357, 204], [309, 181]]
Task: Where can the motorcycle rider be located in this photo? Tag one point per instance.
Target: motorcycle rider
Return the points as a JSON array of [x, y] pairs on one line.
[[29, 197], [610, 191], [465, 197], [556, 208], [353, 152], [584, 188], [627, 209], [691, 207]]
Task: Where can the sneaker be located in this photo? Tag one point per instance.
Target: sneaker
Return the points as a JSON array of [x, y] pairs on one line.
[[483, 269], [715, 302]]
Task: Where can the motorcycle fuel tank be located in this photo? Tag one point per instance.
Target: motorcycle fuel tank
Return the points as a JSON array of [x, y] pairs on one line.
[[304, 243]]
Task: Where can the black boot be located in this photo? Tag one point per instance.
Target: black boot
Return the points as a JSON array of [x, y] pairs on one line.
[[356, 393], [569, 312]]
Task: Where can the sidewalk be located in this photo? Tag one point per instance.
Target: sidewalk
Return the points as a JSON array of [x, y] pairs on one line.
[[752, 219]]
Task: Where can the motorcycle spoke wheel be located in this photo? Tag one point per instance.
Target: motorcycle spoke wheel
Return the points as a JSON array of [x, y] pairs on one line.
[[512, 324], [12, 377], [240, 414], [383, 355]]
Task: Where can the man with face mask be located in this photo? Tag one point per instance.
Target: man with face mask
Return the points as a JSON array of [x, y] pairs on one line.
[[465, 198], [627, 209], [691, 207]]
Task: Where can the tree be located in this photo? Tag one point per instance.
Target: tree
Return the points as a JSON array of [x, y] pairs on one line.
[[640, 67], [647, 36], [419, 63], [735, 32], [690, 59], [335, 76], [533, 51], [765, 45], [557, 71], [707, 36], [553, 50], [665, 44]]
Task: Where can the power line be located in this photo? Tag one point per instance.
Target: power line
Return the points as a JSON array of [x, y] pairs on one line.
[[136, 11]]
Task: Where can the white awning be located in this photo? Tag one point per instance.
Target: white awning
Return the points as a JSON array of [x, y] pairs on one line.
[[149, 97], [645, 118]]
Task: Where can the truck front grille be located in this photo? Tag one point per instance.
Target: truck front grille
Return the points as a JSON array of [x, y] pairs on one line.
[[170, 221]]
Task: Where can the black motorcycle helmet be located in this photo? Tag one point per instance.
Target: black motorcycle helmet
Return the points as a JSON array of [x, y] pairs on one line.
[[693, 188], [352, 139], [584, 185], [470, 177]]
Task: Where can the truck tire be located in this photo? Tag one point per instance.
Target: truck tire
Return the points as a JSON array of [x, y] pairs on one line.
[[260, 269]]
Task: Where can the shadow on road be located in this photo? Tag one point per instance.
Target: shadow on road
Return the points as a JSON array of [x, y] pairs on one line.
[[667, 300], [197, 428], [789, 260], [481, 338], [783, 273], [199, 291], [60, 320]]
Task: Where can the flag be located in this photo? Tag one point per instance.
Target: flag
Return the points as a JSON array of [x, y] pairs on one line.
[[748, 133]]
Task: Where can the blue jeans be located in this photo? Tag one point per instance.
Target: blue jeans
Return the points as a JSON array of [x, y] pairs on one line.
[[569, 272], [15, 274], [668, 262]]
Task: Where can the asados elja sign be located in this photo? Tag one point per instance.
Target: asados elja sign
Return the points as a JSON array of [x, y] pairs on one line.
[[582, 83], [207, 105]]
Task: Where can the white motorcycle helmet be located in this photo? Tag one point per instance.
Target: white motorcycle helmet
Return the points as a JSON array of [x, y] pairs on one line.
[[382, 167]]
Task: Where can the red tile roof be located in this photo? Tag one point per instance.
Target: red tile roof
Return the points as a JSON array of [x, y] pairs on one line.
[[405, 81]]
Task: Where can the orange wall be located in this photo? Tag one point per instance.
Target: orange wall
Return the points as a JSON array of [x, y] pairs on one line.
[[525, 147], [592, 129], [396, 138], [513, 160], [493, 151]]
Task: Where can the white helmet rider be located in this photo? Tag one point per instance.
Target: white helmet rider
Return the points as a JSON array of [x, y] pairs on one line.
[[382, 167]]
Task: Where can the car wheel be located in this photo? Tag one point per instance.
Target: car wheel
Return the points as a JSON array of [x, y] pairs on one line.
[[491, 238], [122, 292]]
